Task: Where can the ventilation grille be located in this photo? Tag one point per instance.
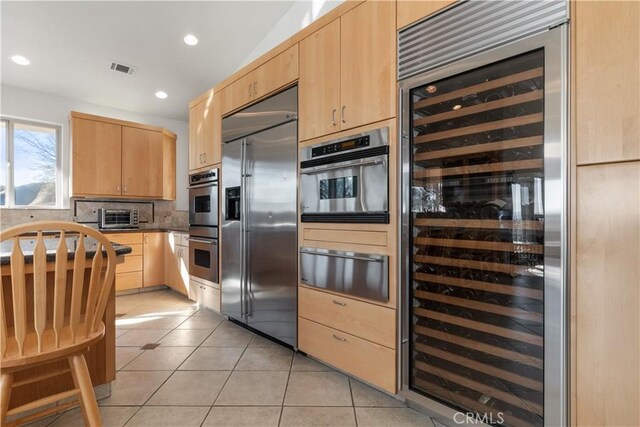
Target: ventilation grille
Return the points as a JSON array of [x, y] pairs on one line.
[[470, 27], [122, 68]]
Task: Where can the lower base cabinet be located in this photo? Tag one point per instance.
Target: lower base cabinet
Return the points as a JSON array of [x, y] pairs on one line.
[[176, 262], [205, 295], [372, 362]]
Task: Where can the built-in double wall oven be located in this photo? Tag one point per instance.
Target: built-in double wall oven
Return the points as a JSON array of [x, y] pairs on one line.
[[203, 225]]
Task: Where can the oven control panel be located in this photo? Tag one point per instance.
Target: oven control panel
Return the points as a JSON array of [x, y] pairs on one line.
[[338, 147], [203, 177]]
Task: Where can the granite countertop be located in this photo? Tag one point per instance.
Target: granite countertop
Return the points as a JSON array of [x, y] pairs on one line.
[[51, 244], [145, 230]]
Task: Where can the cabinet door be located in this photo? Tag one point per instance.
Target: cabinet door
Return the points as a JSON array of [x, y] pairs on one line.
[[607, 76], [153, 259], [196, 135], [169, 166], [182, 279], [170, 260], [410, 11], [237, 94], [141, 163], [276, 73], [319, 94], [368, 64], [96, 158], [212, 140]]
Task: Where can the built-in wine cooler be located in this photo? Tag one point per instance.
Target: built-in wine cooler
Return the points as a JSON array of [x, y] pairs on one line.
[[483, 244]]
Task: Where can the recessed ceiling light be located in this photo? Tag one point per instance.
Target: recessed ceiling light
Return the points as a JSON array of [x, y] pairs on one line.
[[20, 60], [191, 40], [161, 94]]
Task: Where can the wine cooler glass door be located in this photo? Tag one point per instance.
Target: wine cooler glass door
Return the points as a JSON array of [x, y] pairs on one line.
[[476, 245]]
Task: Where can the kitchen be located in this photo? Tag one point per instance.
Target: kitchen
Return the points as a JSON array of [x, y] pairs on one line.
[[363, 213]]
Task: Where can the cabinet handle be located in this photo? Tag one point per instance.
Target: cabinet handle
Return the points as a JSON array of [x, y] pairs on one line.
[[339, 303], [249, 90], [333, 116], [118, 188], [204, 157], [145, 238], [344, 107], [125, 188], [255, 88], [339, 338]]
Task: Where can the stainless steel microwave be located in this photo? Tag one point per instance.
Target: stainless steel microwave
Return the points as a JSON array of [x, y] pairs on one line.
[[346, 180], [117, 218]]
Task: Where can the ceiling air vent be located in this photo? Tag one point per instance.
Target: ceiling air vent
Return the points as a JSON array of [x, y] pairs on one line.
[[122, 68]]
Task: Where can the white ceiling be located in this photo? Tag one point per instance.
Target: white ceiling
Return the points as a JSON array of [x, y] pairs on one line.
[[71, 46]]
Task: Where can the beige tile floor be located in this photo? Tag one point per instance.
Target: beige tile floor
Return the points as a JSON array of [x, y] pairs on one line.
[[208, 371]]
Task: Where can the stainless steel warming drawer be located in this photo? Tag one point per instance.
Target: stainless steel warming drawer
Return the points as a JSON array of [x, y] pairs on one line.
[[351, 273]]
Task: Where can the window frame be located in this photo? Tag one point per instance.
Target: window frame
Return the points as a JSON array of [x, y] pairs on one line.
[[10, 190]]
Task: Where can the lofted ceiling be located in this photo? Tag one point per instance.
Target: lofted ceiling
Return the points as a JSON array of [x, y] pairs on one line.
[[71, 46]]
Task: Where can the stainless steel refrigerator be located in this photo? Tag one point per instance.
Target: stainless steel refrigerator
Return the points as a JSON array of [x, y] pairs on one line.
[[259, 216], [484, 194]]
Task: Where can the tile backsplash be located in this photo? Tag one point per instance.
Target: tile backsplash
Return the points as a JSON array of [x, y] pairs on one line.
[[153, 214]]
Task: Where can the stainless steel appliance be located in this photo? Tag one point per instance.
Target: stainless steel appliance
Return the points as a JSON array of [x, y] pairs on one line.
[[203, 225], [352, 273], [484, 193], [203, 198], [346, 180], [259, 216], [203, 253], [117, 218]]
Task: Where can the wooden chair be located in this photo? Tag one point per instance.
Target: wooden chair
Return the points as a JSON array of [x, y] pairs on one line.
[[45, 322]]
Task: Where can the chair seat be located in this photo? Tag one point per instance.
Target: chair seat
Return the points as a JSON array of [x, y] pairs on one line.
[[31, 356]]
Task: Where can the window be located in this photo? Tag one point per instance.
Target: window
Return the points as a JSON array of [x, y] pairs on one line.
[[30, 172]]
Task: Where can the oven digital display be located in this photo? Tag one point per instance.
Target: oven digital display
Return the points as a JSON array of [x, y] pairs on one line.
[[339, 188]]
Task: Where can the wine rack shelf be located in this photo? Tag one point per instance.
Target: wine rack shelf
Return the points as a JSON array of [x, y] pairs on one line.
[[480, 286], [536, 95], [479, 148], [477, 223], [531, 248], [481, 87], [484, 127]]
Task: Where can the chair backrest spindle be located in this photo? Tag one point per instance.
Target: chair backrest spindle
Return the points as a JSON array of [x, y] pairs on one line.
[[19, 295], [60, 286], [39, 288], [77, 287]]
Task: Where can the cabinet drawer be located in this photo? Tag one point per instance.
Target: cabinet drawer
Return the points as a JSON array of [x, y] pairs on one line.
[[210, 298], [125, 238], [131, 263], [364, 359], [368, 321], [130, 280], [375, 238], [136, 250]]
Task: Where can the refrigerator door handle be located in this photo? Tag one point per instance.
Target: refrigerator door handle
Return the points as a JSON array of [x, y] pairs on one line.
[[242, 218]]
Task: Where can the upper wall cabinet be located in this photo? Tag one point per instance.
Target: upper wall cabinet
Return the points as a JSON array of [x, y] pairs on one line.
[[348, 71], [270, 76], [410, 11], [113, 158], [205, 132], [607, 77]]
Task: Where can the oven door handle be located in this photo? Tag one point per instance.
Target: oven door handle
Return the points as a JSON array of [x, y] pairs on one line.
[[208, 242], [342, 165], [334, 255], [207, 184]]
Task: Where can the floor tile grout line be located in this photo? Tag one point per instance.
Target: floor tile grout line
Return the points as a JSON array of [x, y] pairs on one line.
[[286, 388], [353, 403]]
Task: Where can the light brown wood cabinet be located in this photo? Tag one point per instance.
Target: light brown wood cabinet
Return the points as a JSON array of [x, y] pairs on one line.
[[348, 71], [176, 263], [142, 168], [114, 158], [410, 11], [267, 78], [205, 133], [96, 159], [153, 257]]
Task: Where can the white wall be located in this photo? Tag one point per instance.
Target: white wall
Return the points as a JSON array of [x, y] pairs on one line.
[[39, 106], [301, 14]]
